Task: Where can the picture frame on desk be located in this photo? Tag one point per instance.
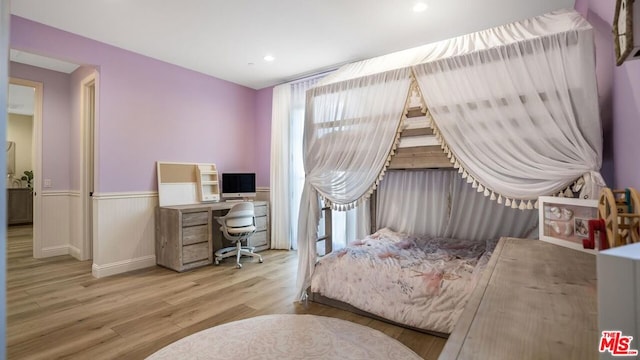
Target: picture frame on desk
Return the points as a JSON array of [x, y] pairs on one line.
[[564, 221]]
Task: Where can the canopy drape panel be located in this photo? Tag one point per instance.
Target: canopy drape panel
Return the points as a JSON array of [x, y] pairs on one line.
[[415, 202], [440, 203], [522, 119], [351, 128]]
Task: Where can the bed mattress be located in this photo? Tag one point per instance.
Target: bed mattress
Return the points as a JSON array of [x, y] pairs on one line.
[[418, 281]]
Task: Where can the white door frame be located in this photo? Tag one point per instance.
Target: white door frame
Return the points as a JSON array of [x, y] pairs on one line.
[[36, 159], [88, 173]]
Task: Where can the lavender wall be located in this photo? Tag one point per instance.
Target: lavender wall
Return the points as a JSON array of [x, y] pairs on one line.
[[263, 141], [619, 98], [626, 129], [56, 122], [150, 110]]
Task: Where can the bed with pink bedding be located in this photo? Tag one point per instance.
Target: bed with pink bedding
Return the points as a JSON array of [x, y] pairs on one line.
[[416, 281]]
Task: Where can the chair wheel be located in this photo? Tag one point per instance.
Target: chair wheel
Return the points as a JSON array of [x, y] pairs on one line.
[[260, 261], [238, 266]]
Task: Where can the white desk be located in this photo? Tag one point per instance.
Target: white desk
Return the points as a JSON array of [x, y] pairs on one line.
[[188, 235]]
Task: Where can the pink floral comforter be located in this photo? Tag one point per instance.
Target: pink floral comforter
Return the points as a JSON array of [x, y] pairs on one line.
[[417, 281]]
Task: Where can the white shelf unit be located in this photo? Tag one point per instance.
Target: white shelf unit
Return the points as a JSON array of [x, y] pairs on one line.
[[208, 182]]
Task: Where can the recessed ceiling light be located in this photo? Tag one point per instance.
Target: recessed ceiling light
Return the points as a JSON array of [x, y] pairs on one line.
[[420, 7], [269, 58]]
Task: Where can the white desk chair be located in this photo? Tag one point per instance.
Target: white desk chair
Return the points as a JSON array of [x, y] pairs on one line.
[[237, 226]]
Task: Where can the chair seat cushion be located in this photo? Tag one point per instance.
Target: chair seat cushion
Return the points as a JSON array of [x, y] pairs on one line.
[[241, 230]]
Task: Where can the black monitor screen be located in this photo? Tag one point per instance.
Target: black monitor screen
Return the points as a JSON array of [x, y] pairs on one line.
[[238, 183]]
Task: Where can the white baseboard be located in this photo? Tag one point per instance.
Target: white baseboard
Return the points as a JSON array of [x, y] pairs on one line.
[[100, 271], [75, 252], [54, 251]]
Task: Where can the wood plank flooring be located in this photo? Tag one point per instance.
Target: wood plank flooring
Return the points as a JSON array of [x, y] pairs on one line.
[[56, 309]]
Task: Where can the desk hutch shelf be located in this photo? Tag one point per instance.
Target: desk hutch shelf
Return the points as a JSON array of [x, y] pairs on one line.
[[208, 183]]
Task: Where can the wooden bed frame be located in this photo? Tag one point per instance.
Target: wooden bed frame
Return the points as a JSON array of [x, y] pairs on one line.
[[320, 299]]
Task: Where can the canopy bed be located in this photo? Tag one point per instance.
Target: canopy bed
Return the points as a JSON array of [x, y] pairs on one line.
[[514, 112]]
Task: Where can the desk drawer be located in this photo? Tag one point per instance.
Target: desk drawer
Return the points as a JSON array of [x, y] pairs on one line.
[[195, 218], [258, 239], [261, 223], [260, 210], [195, 252], [195, 234]]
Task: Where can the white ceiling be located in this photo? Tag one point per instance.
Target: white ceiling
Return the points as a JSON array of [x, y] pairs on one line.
[[228, 39]]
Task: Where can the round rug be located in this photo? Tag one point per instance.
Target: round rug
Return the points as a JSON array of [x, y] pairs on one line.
[[287, 336]]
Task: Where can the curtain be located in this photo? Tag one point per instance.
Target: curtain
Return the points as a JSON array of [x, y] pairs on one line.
[[520, 120], [440, 203], [350, 131], [350, 225], [474, 216], [296, 173], [287, 171], [415, 202], [280, 166]]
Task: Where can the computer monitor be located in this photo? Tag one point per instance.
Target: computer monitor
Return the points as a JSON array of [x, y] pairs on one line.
[[238, 185]]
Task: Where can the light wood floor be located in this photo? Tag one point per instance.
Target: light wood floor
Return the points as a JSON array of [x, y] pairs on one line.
[[56, 309]]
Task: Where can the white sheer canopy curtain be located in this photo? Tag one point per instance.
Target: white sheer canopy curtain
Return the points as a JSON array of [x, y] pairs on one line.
[[351, 128], [439, 203], [521, 120], [287, 171]]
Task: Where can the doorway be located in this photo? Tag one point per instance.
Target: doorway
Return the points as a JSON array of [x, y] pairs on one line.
[[25, 97]]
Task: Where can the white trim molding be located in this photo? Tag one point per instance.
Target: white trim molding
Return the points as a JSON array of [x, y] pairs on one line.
[[125, 195], [55, 251], [123, 266], [69, 193], [263, 193], [75, 252], [75, 227]]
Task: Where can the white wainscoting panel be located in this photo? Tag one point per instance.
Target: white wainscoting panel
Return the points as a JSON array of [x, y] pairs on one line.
[[55, 223], [123, 232], [263, 194]]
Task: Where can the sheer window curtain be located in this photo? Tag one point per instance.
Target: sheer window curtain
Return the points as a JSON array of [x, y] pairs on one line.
[[287, 171], [280, 165]]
